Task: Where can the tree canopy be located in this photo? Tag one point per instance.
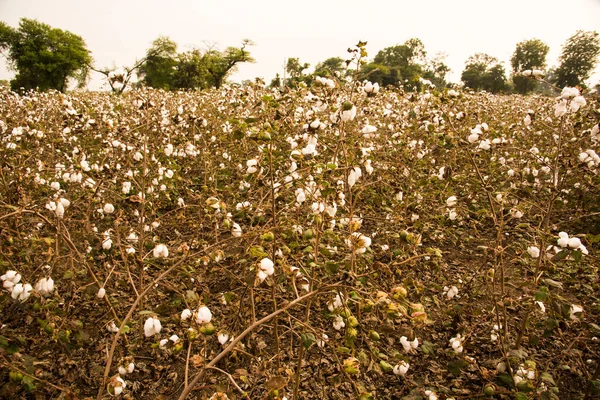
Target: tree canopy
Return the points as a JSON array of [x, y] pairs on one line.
[[167, 69], [44, 57], [529, 54], [578, 59], [484, 72]]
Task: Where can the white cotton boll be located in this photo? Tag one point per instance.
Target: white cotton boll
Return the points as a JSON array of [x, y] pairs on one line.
[[174, 338], [574, 243], [368, 167], [222, 337], [484, 145], [563, 239], [401, 369], [315, 124], [473, 137], [533, 251], [60, 210], [101, 293], [578, 102], [185, 314], [16, 291], [203, 315], [348, 115], [560, 109], [160, 251], [405, 344], [453, 291], [451, 201], [152, 326], [575, 309], [45, 286], [108, 208], [452, 214], [138, 156], [300, 195], [527, 120], [569, 92], [236, 230], [267, 266], [163, 343], [414, 344], [338, 323], [168, 149], [107, 244]]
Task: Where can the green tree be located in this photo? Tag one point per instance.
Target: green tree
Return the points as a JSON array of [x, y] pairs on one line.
[[158, 70], [296, 69], [529, 54], [44, 57], [436, 70], [330, 67], [164, 68], [220, 64], [578, 59], [381, 74], [483, 71], [407, 60]]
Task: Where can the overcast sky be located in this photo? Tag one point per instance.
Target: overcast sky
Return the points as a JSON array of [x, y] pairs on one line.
[[119, 31]]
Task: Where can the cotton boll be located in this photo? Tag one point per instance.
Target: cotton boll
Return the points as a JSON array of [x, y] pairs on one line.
[[533, 251], [108, 208], [152, 326], [45, 286], [203, 315], [185, 314], [451, 201], [574, 243], [401, 368], [101, 293], [160, 251], [222, 337]]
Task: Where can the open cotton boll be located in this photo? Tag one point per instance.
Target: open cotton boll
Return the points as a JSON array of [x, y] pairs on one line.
[[10, 279], [203, 315], [401, 368], [108, 208], [45, 286], [222, 337], [21, 291], [185, 314], [563, 239], [160, 251], [152, 326], [451, 201], [533, 251]]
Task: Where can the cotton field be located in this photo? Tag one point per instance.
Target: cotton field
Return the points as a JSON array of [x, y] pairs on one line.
[[335, 241]]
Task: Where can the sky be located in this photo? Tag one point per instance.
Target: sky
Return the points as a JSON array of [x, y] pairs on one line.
[[118, 32]]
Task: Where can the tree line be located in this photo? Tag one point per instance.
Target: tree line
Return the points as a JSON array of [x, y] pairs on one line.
[[48, 58]]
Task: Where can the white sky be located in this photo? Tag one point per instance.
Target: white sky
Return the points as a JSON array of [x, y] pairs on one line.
[[119, 31]]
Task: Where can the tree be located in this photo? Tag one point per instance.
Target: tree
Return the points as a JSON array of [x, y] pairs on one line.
[[220, 64], [407, 60], [296, 71], [44, 57], [330, 67], [529, 54], [164, 68], [436, 70], [578, 59], [483, 71], [159, 67]]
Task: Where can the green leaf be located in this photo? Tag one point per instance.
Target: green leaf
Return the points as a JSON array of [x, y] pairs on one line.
[[542, 294], [561, 255], [577, 254], [546, 377], [307, 339]]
